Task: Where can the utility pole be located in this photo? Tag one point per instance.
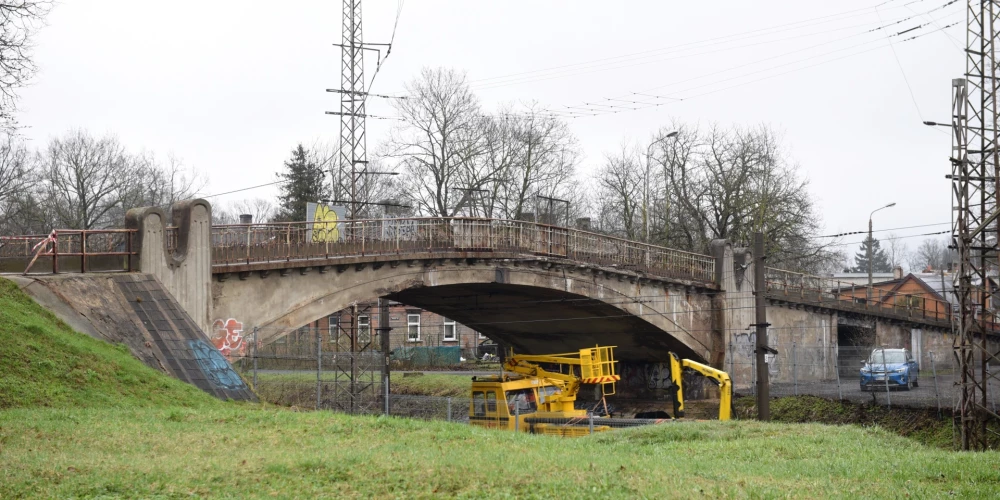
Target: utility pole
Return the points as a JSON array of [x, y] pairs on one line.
[[386, 345], [870, 244], [975, 176], [761, 348]]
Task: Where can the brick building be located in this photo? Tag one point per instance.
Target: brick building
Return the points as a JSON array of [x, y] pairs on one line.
[[411, 327]]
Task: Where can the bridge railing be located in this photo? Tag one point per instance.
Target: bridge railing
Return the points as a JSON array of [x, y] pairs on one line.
[[74, 250], [287, 242], [805, 287]]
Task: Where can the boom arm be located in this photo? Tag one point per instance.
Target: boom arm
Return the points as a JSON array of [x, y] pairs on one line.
[[596, 366], [720, 377]]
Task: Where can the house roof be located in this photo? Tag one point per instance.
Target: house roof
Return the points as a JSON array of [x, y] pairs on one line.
[[898, 283]]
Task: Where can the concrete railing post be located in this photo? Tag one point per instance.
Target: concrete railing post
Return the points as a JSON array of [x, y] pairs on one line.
[[186, 272]]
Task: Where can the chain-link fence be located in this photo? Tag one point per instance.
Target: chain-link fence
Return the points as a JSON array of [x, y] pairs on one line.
[[866, 374]]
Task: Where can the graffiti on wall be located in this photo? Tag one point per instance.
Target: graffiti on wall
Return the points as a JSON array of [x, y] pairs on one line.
[[217, 370], [228, 338], [646, 375], [744, 345], [399, 229], [327, 225]]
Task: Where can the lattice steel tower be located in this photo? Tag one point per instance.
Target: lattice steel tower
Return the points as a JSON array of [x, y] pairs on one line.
[[974, 218], [352, 156]]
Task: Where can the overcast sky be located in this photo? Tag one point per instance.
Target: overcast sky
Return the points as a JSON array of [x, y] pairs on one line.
[[231, 86]]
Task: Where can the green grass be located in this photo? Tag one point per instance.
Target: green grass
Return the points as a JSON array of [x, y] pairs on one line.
[[242, 451], [432, 385], [299, 388], [43, 362], [921, 425]]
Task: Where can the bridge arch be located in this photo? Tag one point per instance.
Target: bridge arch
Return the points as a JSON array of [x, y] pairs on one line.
[[533, 304]]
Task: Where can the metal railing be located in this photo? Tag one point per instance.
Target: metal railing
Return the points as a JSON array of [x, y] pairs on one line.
[[805, 287], [287, 242], [75, 250]]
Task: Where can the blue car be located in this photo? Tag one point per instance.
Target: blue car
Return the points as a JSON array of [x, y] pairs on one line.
[[896, 364]]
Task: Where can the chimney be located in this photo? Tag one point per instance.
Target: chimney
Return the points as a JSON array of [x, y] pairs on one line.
[[583, 223], [897, 272], [246, 219]]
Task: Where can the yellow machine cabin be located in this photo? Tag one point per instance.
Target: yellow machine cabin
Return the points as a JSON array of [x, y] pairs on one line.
[[531, 398]]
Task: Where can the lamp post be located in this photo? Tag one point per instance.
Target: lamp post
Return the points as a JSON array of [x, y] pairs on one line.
[[869, 245], [645, 190]]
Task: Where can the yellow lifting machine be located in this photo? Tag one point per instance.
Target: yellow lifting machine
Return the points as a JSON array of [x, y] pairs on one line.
[[537, 393]]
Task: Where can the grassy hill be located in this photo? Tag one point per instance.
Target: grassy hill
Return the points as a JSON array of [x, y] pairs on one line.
[[43, 362], [81, 418]]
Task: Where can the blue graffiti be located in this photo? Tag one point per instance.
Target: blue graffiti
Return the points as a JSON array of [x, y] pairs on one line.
[[215, 367]]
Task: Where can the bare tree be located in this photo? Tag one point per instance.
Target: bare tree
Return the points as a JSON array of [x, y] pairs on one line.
[[259, 210], [439, 142], [17, 182], [897, 251], [19, 21], [725, 184], [89, 183], [619, 192], [86, 179], [932, 254], [544, 158]]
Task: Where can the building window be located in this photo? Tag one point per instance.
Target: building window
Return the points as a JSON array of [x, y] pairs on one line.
[[450, 330], [364, 329], [413, 327]]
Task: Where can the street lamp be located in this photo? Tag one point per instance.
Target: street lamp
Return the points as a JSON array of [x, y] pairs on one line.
[[869, 245], [645, 196]]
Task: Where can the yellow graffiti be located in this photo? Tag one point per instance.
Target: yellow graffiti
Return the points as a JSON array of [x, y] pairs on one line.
[[326, 227]]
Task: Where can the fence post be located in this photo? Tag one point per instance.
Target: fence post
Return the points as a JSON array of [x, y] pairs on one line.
[[319, 368], [128, 251], [937, 395], [753, 375], [386, 390], [732, 363], [885, 376], [254, 358], [55, 254], [83, 251], [517, 416], [590, 418], [836, 368], [449, 409], [795, 378]]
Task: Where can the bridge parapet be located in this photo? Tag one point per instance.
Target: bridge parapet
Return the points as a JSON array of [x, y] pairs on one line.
[[249, 244]]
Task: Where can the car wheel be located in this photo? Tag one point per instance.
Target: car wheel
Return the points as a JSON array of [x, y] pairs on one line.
[[916, 382], [909, 383], [863, 388]]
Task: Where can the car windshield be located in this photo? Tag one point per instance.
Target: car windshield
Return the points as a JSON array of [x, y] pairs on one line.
[[890, 357]]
